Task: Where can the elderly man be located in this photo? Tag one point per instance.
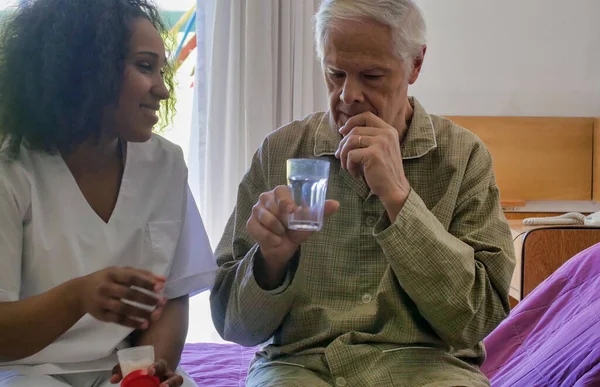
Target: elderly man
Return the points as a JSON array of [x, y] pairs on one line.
[[412, 267]]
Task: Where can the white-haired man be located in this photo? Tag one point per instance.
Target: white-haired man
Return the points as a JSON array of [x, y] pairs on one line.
[[413, 265]]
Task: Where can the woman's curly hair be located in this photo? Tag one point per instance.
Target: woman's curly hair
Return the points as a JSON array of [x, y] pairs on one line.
[[61, 63]]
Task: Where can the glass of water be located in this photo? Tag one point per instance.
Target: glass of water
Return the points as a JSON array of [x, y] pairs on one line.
[[307, 179]]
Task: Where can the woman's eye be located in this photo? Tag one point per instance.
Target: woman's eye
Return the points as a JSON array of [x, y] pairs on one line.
[[145, 66]]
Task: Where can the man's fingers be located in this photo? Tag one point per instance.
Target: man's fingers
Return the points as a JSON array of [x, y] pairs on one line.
[[363, 119], [352, 142], [357, 158], [271, 222], [282, 192], [262, 235], [271, 206], [286, 207], [331, 207], [265, 197], [283, 199], [278, 202]]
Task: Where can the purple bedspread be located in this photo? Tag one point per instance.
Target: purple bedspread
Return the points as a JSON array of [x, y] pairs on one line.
[[552, 337], [217, 365]]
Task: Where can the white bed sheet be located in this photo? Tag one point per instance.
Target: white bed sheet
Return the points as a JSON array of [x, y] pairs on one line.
[[515, 285]]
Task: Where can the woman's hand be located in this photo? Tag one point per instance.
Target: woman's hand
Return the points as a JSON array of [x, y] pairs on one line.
[[107, 295], [167, 377], [159, 369]]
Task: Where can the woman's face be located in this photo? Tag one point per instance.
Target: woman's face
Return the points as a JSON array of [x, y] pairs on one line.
[[143, 86]]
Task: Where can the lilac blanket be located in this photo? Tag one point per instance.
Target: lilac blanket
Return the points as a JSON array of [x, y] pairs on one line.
[[552, 337], [217, 365]]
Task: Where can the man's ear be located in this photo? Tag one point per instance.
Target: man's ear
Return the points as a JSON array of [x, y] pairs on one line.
[[417, 65]]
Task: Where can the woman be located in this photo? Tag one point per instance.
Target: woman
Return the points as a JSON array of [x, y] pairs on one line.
[[95, 214]]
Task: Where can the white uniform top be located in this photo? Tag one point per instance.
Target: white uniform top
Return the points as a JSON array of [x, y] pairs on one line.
[[49, 234]]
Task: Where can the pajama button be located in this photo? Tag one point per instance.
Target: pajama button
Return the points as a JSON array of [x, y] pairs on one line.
[[341, 382], [366, 298], [371, 221]]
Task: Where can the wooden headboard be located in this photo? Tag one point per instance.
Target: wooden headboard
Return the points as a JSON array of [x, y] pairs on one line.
[[541, 158]]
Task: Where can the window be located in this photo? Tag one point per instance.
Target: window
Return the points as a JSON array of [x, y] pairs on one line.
[[191, 110]]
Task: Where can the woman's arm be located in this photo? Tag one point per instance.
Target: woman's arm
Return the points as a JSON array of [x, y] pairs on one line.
[[168, 333], [21, 322], [167, 336], [30, 325]]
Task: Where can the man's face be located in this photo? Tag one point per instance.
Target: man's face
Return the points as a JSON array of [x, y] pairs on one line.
[[363, 74]]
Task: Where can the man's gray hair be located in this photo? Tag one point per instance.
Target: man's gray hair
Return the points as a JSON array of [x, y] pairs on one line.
[[403, 17]]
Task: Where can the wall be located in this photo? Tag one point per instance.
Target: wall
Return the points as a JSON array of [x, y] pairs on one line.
[[511, 57]]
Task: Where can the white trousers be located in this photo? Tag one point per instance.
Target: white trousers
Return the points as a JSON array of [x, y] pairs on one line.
[[84, 379]]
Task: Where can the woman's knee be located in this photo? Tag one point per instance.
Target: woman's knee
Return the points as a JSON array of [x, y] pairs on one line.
[[29, 381]]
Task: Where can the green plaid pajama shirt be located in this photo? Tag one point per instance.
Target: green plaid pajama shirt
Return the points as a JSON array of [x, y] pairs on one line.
[[371, 303]]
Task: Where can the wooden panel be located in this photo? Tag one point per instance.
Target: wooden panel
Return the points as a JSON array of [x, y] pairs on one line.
[[546, 249], [512, 302], [538, 158], [596, 167]]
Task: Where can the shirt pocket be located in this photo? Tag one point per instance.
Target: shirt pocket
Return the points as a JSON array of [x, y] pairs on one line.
[[164, 237]]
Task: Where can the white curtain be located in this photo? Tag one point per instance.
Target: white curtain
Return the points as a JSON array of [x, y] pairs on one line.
[[262, 73]]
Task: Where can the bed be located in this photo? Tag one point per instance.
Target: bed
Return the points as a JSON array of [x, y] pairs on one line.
[[569, 173], [546, 248], [551, 337], [217, 365]]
